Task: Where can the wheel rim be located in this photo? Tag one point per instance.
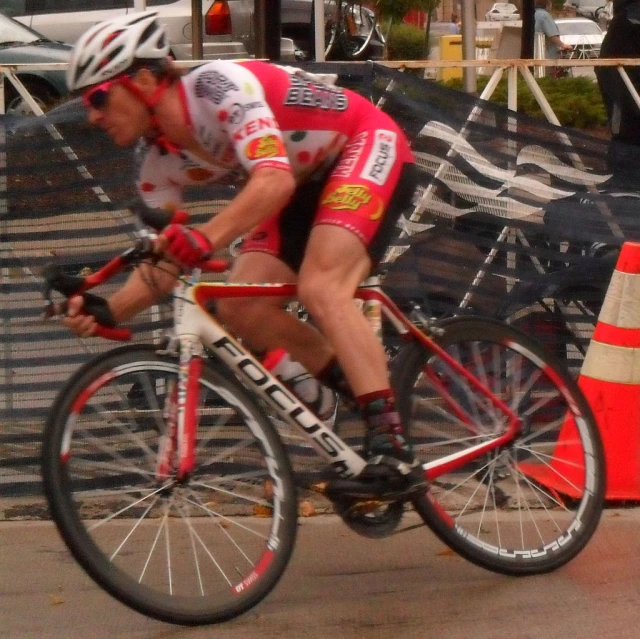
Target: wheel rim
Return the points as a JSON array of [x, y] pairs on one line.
[[18, 106], [330, 25]]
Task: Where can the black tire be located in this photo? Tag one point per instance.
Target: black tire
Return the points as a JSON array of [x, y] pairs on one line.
[[199, 552], [531, 506]]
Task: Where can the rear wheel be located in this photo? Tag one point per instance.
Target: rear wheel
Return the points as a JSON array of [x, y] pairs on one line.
[[198, 551], [532, 505]]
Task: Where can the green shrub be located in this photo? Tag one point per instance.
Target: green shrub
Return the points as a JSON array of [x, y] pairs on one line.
[[577, 102], [406, 42]]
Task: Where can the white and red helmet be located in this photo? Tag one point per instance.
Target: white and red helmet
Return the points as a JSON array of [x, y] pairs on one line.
[[111, 47]]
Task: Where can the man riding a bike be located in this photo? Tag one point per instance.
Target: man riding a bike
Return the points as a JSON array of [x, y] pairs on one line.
[[324, 177]]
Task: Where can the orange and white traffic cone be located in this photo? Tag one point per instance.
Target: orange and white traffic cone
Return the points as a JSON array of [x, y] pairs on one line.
[[610, 381], [610, 376]]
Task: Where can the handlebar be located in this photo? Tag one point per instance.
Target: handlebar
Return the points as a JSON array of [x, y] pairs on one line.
[[71, 285]]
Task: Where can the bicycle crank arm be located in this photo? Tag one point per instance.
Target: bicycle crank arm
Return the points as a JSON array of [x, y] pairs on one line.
[[324, 482], [389, 489]]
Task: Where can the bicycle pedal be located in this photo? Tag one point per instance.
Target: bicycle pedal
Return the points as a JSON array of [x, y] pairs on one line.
[[366, 506], [313, 480]]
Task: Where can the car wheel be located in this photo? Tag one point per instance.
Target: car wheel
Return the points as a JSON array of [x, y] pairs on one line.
[[41, 92]]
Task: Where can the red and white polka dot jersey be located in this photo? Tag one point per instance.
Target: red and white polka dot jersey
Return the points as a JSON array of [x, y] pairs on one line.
[[254, 114]]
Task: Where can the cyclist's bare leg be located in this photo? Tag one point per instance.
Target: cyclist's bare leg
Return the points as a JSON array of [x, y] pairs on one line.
[[263, 323], [335, 264]]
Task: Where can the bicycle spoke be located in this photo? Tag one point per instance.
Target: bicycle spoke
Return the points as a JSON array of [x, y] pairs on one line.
[[254, 500], [123, 510], [133, 529]]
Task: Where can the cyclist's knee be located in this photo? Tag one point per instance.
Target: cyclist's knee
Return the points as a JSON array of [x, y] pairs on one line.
[[321, 296]]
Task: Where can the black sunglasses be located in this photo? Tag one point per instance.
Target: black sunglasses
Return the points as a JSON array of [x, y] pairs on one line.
[[97, 96]]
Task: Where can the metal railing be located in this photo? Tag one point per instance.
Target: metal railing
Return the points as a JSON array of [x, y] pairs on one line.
[[495, 68], [512, 67]]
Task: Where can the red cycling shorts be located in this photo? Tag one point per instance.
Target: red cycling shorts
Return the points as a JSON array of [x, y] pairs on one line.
[[365, 191]]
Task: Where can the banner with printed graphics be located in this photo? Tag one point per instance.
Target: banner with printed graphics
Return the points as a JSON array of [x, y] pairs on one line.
[[513, 218]]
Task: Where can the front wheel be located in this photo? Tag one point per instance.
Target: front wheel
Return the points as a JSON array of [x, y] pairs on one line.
[[532, 505], [194, 551]]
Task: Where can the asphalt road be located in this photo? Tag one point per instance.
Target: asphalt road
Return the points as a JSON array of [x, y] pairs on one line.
[[343, 586]]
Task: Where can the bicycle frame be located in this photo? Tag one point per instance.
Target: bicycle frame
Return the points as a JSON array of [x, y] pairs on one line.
[[195, 326]]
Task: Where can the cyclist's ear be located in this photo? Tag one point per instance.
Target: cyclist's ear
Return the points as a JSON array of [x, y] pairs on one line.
[[145, 80]]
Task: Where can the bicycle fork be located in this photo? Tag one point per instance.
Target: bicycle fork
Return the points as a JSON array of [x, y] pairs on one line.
[[176, 456]]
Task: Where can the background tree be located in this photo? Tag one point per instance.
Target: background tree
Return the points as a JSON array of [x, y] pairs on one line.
[[396, 10]]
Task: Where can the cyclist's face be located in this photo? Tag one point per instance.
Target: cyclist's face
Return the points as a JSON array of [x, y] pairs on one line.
[[114, 109]]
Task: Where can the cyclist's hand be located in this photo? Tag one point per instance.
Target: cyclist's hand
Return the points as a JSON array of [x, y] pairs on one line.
[[88, 315], [187, 246], [77, 321]]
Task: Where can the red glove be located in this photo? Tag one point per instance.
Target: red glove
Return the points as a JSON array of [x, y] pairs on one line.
[[187, 246]]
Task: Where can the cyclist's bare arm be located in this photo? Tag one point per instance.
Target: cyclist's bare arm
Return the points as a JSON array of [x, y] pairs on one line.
[[265, 194], [145, 286], [559, 43]]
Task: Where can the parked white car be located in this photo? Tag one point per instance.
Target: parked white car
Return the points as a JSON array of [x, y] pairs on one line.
[[585, 36], [228, 24], [502, 11]]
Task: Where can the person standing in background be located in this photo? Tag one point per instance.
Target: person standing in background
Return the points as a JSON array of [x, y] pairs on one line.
[[544, 23], [621, 41], [454, 29]]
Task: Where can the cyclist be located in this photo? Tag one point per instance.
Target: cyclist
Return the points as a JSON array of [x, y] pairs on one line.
[[324, 177]]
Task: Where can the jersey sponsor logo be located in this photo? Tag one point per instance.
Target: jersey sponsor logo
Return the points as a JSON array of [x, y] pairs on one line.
[[268, 146], [381, 158], [214, 86], [306, 92], [253, 127], [350, 156], [238, 111], [355, 198]]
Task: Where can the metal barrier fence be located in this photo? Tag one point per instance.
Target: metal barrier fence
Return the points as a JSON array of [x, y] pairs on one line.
[[59, 160], [497, 70]]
